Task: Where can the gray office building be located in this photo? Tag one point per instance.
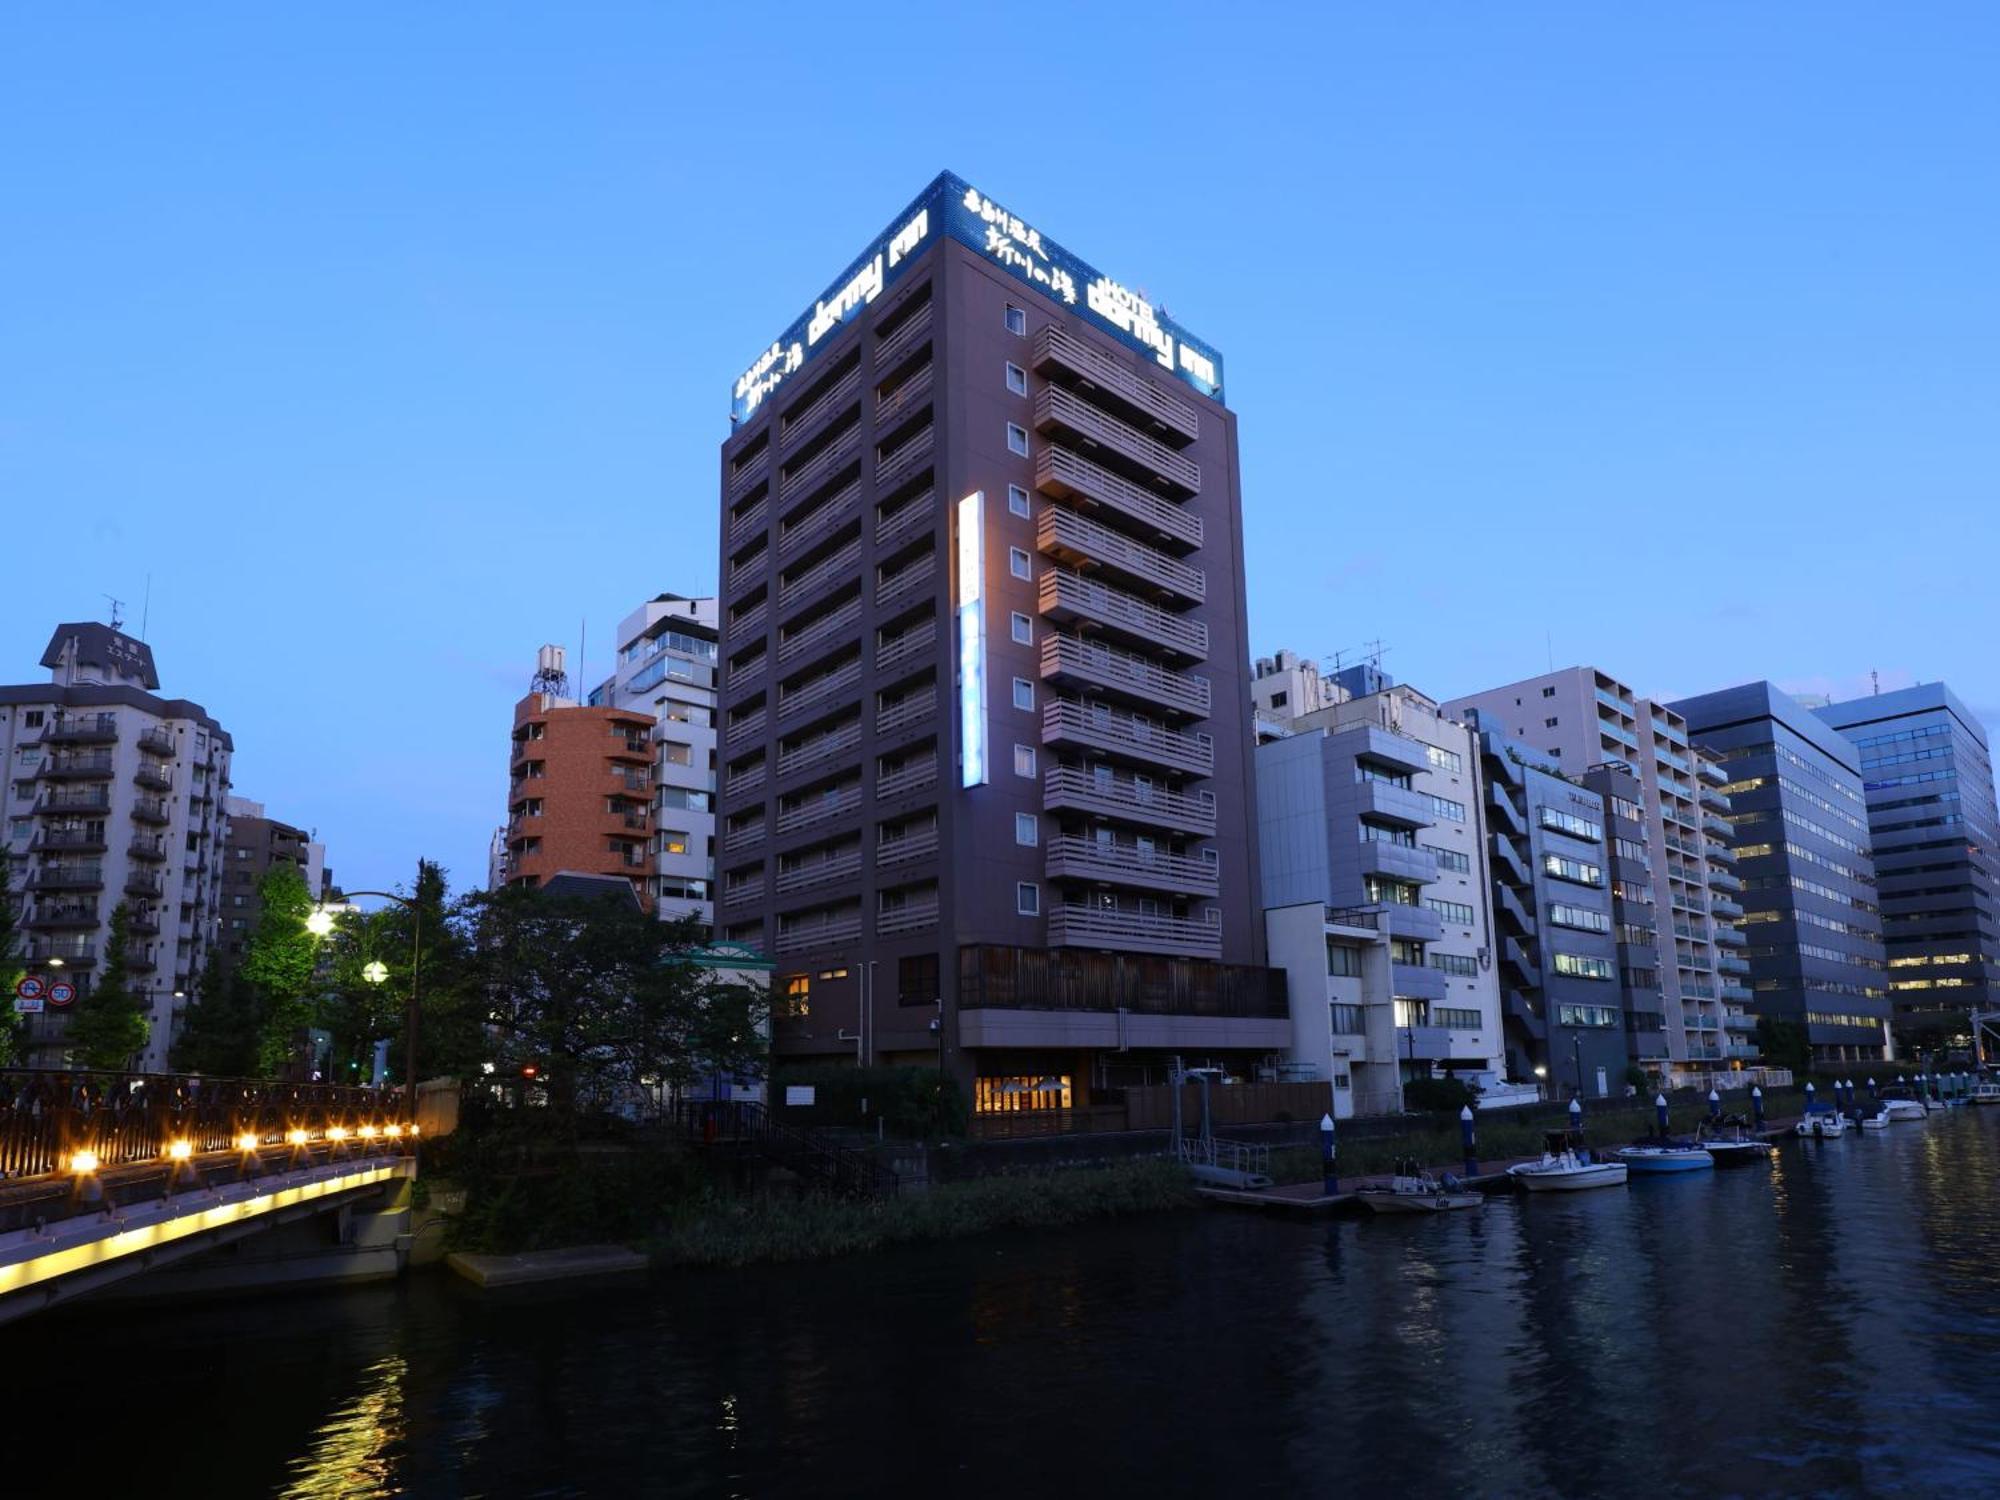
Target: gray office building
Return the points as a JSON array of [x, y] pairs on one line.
[[1802, 847], [1928, 780]]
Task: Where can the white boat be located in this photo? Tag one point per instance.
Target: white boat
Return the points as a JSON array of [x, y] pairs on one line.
[[1899, 1110], [1673, 1158], [1877, 1121], [1985, 1093], [1419, 1193], [1821, 1125], [1565, 1172]]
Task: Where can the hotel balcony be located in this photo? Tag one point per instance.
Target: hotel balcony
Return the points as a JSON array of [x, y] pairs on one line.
[[800, 475], [82, 729], [813, 523], [907, 519], [907, 581], [1094, 726], [911, 392], [741, 783], [913, 912], [747, 673], [77, 768], [911, 708], [804, 871], [1071, 598], [1074, 662], [903, 337], [797, 642], [1072, 789], [800, 421], [1102, 435], [744, 836], [746, 730], [797, 934], [750, 520], [1085, 926], [825, 688], [912, 776], [1068, 476], [909, 844], [820, 749], [1106, 862], [743, 891], [744, 471], [818, 808], [913, 642], [1110, 383], [1081, 543], [904, 460]]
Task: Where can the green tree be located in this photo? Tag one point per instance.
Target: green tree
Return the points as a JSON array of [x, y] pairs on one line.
[[603, 1000], [109, 1024], [279, 963], [1784, 1044], [13, 1026], [224, 1030]]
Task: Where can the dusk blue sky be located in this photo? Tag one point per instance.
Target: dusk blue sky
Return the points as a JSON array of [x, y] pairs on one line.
[[392, 341]]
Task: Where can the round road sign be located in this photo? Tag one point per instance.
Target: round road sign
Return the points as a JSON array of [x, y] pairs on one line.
[[30, 987], [61, 992]]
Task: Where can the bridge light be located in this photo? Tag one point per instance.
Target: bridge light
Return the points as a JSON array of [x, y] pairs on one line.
[[247, 1142], [336, 1132], [83, 1163], [367, 1132], [295, 1137], [180, 1150], [392, 1131], [413, 1130]]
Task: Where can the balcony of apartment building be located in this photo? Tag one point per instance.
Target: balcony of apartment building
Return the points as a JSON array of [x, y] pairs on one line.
[[1073, 662], [744, 832], [1404, 920], [1387, 857], [631, 741], [152, 810], [1100, 792], [1068, 360], [741, 778], [143, 922], [1725, 908], [746, 723], [906, 909], [1013, 997], [143, 883], [78, 766], [73, 840], [1068, 476], [1724, 880], [67, 875], [81, 729], [744, 887], [818, 807], [1131, 930], [158, 742], [1737, 994], [1136, 864], [748, 616], [1100, 436], [1443, 1044], [1081, 544], [68, 802], [1383, 799], [58, 914], [1125, 737], [1075, 600], [1730, 937], [1715, 826], [818, 928], [153, 778], [75, 953]]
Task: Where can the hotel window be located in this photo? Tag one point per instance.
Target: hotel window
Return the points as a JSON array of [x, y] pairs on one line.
[[1017, 500], [1017, 439], [1024, 760], [1026, 830], [1017, 320], [1028, 899], [1017, 379], [1019, 563], [1024, 694], [1024, 629]]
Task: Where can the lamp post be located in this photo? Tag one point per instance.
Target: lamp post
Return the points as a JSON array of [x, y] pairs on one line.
[[320, 922], [1576, 1049]]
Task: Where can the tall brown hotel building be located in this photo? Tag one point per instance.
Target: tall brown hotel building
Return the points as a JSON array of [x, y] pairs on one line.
[[985, 783]]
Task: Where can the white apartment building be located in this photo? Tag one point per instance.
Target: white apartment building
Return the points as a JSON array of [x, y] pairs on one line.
[[113, 795], [666, 667], [1376, 894], [1583, 718]]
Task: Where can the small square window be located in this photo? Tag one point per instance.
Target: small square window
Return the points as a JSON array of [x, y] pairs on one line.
[[1017, 379], [1026, 830], [1024, 760], [1017, 439], [1017, 320], [1028, 899], [1024, 629], [1017, 500], [1019, 563], [1024, 693]]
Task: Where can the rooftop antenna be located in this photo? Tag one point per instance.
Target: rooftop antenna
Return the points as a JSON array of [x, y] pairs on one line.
[[550, 679], [1549, 640], [117, 613], [146, 607], [1875, 681]]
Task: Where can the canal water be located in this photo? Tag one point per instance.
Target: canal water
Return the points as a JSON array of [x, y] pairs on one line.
[[1829, 1326]]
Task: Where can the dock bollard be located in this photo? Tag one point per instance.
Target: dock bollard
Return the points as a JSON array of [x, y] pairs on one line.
[[1873, 1096], [1328, 1178], [1469, 1140], [1714, 1106], [1810, 1091], [1660, 1114], [1576, 1116], [1757, 1104]]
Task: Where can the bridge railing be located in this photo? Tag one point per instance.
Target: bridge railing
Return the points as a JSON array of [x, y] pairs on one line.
[[49, 1119]]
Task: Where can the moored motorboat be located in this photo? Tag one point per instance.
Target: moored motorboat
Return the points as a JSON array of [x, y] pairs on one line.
[[1820, 1125], [1566, 1172], [1668, 1156], [1414, 1191], [1902, 1107], [1877, 1121], [1984, 1093], [1731, 1145]]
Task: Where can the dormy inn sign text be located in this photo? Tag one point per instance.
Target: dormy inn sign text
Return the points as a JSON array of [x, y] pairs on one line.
[[950, 206]]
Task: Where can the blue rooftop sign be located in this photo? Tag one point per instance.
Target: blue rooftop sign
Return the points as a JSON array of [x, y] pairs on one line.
[[951, 206]]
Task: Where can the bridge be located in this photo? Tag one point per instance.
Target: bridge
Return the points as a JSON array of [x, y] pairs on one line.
[[108, 1176]]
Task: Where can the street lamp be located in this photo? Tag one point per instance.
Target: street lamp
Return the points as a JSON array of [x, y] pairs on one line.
[[320, 923]]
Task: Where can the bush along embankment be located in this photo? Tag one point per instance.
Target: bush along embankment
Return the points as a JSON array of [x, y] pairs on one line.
[[736, 1233]]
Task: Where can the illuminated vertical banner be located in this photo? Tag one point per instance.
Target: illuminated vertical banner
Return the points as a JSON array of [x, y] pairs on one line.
[[972, 639]]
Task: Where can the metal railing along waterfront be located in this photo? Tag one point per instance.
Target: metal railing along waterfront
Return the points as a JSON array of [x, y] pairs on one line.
[[61, 1132], [813, 1154]]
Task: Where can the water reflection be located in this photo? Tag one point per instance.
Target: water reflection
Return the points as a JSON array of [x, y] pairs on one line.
[[1823, 1326]]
